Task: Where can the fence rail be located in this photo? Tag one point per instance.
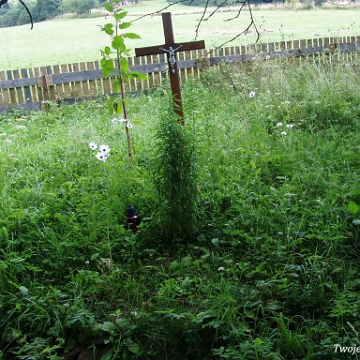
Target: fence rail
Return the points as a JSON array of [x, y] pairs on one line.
[[34, 88]]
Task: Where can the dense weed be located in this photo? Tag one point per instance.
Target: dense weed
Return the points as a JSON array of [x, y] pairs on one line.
[[273, 270]]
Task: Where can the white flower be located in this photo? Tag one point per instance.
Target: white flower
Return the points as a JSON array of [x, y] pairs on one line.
[[129, 125], [92, 146], [279, 124], [102, 156], [289, 126], [356, 222], [114, 120], [87, 262], [104, 149], [252, 94], [283, 133], [221, 268], [122, 120]]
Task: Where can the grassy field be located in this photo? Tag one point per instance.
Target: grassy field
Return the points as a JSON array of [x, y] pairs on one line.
[[272, 272], [67, 40]]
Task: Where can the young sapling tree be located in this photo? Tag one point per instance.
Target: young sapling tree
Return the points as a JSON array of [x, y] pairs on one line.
[[114, 61]]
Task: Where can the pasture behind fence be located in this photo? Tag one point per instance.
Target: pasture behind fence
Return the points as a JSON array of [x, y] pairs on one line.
[[34, 88]]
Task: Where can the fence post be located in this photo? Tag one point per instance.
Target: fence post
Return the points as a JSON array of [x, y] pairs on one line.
[[44, 82]]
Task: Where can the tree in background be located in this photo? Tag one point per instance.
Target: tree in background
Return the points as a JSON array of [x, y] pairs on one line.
[[79, 6], [12, 14], [47, 9]]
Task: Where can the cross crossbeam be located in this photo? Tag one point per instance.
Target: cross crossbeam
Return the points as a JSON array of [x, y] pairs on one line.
[[171, 48]]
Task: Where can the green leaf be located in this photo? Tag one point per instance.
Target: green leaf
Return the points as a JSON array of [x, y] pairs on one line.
[[353, 208], [118, 42], [136, 75], [124, 25], [108, 28], [120, 15], [103, 61], [132, 36], [108, 7], [107, 67], [107, 326], [124, 65], [108, 355], [107, 50], [118, 107], [60, 217], [116, 85]]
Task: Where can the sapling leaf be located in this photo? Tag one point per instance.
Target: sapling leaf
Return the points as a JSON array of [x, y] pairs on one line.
[[117, 85], [107, 67], [124, 25], [120, 15], [353, 208], [108, 28], [108, 7], [117, 42], [103, 61], [107, 50], [118, 108], [124, 64], [132, 36], [136, 75]]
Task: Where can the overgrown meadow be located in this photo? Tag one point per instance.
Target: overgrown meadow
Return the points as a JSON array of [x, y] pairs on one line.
[[248, 246]]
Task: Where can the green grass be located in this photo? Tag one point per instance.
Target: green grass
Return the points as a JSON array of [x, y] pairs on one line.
[[273, 272], [68, 40]]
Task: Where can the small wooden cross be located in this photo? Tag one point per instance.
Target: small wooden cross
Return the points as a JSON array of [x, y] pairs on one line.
[[170, 48]]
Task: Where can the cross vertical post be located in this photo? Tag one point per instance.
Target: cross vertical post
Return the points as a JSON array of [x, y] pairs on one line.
[[170, 48]]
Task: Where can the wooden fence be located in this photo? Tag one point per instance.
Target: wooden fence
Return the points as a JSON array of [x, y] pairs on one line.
[[35, 88]]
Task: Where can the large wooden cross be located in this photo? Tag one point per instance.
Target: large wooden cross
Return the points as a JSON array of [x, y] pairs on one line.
[[170, 48]]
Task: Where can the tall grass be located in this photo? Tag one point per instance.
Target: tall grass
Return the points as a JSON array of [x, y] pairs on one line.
[[273, 272]]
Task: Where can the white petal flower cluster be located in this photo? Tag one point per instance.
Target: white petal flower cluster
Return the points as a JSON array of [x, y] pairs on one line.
[[122, 120], [103, 151], [289, 126], [252, 94]]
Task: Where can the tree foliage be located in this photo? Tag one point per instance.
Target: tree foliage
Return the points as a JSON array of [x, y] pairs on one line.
[[40, 10]]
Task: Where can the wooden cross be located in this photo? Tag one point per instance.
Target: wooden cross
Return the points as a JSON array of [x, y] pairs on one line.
[[170, 48]]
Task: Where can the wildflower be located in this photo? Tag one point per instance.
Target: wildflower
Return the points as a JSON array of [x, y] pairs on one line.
[[102, 156], [114, 120], [252, 94], [279, 124], [104, 149], [283, 133], [289, 126], [122, 120], [221, 268], [92, 146], [87, 262], [129, 125]]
